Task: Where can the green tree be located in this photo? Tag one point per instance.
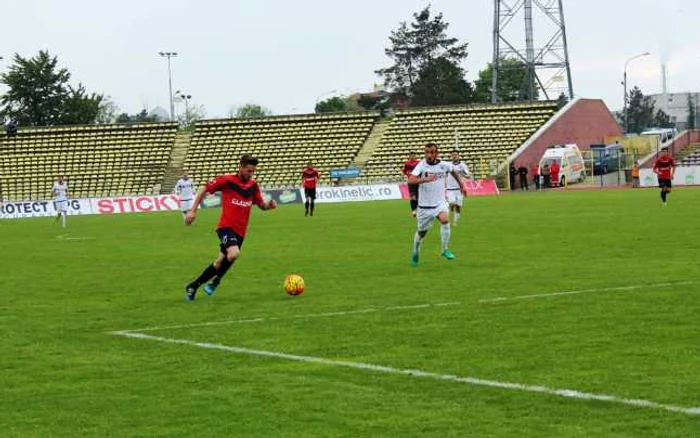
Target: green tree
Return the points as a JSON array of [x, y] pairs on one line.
[[191, 114], [692, 116], [441, 83], [339, 104], [333, 105], [417, 47], [108, 111], [662, 120], [640, 111], [140, 117], [512, 82], [79, 107], [39, 93], [250, 110]]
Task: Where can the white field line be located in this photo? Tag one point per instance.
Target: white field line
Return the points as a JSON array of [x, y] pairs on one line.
[[304, 316], [586, 291], [411, 307], [570, 393], [73, 238]]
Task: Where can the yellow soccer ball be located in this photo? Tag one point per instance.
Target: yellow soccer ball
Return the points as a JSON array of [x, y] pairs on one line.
[[294, 284]]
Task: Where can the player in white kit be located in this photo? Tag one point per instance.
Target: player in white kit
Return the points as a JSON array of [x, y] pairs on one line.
[[430, 174], [186, 190], [454, 193], [59, 191]]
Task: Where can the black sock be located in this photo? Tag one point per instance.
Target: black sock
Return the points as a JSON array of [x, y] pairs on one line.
[[208, 273], [223, 269], [414, 204], [313, 204], [663, 195], [307, 205]]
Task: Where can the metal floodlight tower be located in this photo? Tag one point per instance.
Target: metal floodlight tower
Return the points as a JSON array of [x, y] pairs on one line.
[[169, 55], [552, 56]]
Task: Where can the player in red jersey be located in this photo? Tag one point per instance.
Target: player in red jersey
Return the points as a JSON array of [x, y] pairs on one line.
[[309, 178], [664, 168], [239, 193], [408, 167]]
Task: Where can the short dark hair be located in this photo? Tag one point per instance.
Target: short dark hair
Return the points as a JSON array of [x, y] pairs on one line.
[[249, 159], [430, 145]]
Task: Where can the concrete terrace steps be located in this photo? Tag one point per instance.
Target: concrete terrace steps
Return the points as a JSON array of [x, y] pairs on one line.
[[177, 160]]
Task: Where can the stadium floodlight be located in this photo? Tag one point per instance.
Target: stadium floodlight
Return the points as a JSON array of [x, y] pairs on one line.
[[170, 81], [186, 98], [624, 85]]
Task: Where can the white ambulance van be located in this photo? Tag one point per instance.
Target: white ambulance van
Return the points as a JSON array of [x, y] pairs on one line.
[[570, 161]]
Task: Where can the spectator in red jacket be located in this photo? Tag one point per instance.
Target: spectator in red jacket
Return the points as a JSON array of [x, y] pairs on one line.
[[555, 173]]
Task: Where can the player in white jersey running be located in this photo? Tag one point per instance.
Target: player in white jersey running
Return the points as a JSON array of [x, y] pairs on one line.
[[185, 188], [59, 191], [431, 174], [454, 193]]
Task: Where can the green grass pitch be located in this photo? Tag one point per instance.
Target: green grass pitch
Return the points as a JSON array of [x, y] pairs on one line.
[[633, 332]]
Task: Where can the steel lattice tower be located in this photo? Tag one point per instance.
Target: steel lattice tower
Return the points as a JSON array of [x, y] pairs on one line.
[[547, 66]]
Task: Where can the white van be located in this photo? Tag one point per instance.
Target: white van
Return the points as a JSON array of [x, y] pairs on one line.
[[572, 167]]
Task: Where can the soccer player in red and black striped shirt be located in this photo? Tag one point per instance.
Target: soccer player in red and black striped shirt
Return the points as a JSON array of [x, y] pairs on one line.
[[239, 193], [309, 178], [408, 167], [664, 168]]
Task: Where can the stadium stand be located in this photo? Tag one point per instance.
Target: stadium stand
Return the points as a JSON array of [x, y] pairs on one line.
[[284, 145], [98, 160], [487, 135], [690, 156]]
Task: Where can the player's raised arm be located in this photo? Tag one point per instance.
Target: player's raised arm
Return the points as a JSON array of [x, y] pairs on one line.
[[191, 215], [260, 202], [415, 178], [460, 180]]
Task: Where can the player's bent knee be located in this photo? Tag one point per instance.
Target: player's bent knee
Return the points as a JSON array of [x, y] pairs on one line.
[[232, 253]]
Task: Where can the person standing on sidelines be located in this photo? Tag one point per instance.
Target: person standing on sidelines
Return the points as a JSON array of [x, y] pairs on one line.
[[184, 188], [59, 191], [635, 175], [310, 178], [536, 175], [455, 199], [430, 174], [408, 167], [239, 193]]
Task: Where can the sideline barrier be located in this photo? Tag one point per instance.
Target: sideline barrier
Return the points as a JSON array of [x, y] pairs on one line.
[[684, 176], [377, 192], [479, 187], [17, 210], [148, 204]]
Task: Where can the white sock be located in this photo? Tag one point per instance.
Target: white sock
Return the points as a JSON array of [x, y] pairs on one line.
[[63, 220], [417, 240], [456, 217], [445, 236]]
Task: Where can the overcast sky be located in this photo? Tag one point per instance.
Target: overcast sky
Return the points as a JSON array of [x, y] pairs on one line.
[[285, 55]]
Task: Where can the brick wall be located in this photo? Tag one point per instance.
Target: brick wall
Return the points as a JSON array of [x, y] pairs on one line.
[[585, 122]]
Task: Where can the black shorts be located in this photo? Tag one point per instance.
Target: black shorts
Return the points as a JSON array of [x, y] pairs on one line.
[[664, 183], [228, 238], [310, 193], [413, 190]]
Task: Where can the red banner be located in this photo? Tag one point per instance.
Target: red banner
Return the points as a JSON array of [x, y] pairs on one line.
[[480, 187]]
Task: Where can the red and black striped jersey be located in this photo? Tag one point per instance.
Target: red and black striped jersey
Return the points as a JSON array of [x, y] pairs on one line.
[[237, 198]]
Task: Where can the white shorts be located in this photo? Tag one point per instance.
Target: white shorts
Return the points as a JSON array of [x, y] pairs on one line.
[[185, 206], [61, 206], [455, 197], [426, 216]]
